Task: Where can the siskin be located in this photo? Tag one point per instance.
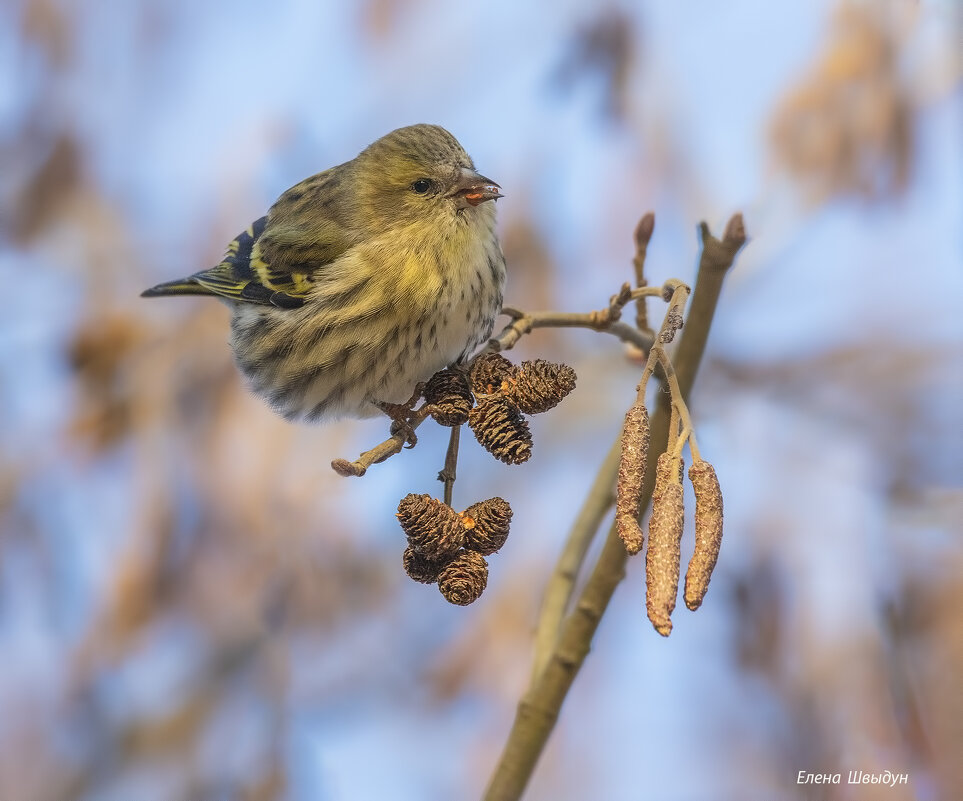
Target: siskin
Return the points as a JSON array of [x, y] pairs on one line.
[[362, 280]]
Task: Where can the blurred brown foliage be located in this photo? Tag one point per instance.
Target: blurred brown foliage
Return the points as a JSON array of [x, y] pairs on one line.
[[888, 700], [602, 47], [847, 128]]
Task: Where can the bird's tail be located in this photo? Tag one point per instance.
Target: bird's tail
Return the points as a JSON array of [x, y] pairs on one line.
[[182, 286]]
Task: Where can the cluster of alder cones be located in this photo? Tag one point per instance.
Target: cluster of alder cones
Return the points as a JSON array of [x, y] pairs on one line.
[[446, 547], [449, 548], [494, 397]]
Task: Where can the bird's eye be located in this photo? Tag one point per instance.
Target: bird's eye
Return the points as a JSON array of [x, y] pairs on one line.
[[421, 186]]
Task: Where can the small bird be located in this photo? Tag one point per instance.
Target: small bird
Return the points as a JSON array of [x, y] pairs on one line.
[[363, 280]]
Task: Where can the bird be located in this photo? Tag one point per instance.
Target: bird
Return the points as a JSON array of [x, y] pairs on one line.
[[364, 280]]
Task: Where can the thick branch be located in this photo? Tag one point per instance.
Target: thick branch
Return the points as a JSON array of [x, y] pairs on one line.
[[560, 586]]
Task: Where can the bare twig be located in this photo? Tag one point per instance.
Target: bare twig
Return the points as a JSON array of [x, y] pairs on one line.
[[676, 293], [539, 707], [601, 496], [394, 444], [604, 320], [448, 472], [680, 408]]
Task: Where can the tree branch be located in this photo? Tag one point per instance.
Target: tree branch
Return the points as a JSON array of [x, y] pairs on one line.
[[604, 320], [538, 710], [394, 444], [560, 586]]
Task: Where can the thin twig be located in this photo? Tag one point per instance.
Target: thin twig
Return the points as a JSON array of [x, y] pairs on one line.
[[538, 710], [394, 444], [602, 320], [670, 324], [680, 407], [448, 472]]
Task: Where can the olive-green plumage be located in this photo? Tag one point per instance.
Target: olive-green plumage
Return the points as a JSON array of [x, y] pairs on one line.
[[364, 279]]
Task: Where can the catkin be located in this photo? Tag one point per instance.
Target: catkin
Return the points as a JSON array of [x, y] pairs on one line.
[[665, 535], [635, 449], [708, 532]]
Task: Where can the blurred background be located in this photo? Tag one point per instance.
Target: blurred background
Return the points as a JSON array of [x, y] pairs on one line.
[[194, 606]]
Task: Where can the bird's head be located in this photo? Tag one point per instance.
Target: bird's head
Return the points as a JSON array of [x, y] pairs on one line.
[[421, 173]]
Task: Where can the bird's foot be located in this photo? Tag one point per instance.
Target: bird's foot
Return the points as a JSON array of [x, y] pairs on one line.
[[400, 415]]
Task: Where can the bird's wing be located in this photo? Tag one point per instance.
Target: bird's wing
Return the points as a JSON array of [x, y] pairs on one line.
[[278, 258], [309, 226], [244, 275]]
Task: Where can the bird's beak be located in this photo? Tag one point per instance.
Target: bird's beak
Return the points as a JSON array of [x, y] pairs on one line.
[[472, 188]]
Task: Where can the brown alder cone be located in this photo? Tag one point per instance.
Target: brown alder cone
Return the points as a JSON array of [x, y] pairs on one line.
[[434, 529], [662, 559], [501, 430], [448, 393], [421, 568], [464, 578], [708, 532], [540, 385], [488, 372], [632, 464], [486, 525]]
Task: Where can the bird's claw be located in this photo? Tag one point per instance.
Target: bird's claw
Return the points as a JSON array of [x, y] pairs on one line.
[[405, 429], [400, 414]]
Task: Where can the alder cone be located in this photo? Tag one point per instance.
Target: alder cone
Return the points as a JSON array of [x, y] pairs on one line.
[[486, 525], [488, 372], [433, 528], [541, 385], [464, 578], [421, 568], [448, 392], [501, 430]]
